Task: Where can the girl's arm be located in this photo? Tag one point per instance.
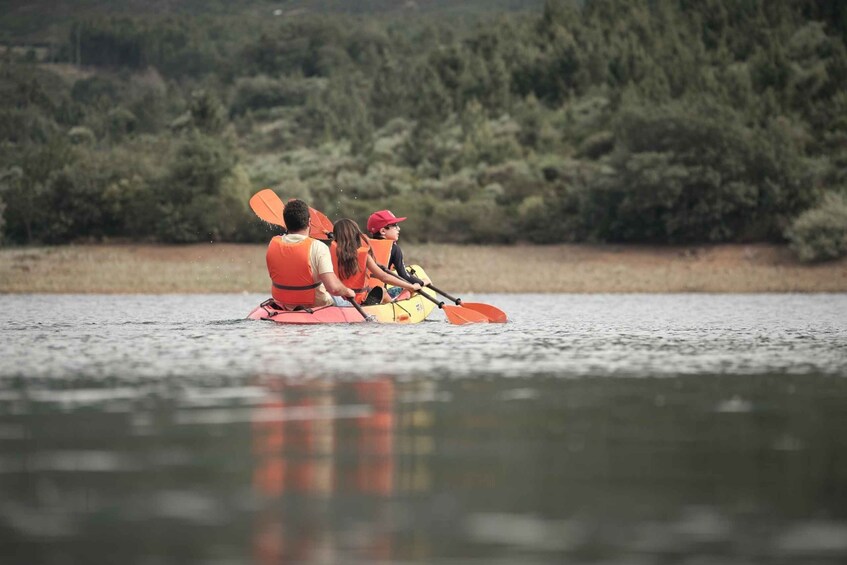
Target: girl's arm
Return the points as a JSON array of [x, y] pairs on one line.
[[388, 278]]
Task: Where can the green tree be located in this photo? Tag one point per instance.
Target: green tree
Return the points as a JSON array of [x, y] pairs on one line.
[[203, 194], [820, 233], [683, 175], [207, 113], [27, 190]]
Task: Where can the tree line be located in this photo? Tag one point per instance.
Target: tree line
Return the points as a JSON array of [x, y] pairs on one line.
[[651, 121]]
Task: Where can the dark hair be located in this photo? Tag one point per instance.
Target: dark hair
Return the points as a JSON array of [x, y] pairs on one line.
[[348, 238], [296, 215]]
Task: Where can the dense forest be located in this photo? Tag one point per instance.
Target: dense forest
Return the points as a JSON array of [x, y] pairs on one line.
[[648, 121]]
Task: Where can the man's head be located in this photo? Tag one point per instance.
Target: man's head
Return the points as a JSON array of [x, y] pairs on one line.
[[296, 215]]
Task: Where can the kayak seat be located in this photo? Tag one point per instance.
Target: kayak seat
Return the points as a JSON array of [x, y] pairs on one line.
[[374, 296], [273, 308]]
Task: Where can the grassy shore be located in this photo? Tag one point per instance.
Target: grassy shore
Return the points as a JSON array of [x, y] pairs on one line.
[[203, 268]]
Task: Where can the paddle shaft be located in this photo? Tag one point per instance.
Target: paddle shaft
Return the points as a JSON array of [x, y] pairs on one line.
[[359, 309], [493, 313], [431, 299], [457, 301]]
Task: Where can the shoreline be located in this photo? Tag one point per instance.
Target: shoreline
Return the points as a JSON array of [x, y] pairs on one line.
[[564, 268]]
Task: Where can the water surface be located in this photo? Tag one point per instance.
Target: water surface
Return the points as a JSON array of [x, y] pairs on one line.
[[590, 429]]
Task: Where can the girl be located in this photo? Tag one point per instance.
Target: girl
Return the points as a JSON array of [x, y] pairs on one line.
[[354, 264]]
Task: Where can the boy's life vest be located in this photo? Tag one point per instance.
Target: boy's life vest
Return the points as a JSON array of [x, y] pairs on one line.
[[358, 282], [382, 254], [290, 269]]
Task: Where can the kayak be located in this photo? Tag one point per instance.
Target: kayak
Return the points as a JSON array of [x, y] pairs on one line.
[[408, 311]]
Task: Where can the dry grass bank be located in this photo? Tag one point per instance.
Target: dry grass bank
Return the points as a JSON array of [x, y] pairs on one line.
[[558, 268]]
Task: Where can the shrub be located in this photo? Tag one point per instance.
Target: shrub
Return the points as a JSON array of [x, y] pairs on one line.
[[820, 234], [682, 174], [121, 122], [81, 135], [254, 93]]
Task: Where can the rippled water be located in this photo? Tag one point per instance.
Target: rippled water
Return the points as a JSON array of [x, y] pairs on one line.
[[589, 429]]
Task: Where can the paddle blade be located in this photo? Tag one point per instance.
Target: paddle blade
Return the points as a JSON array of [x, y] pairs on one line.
[[320, 227], [494, 314], [319, 222], [268, 206], [318, 232], [458, 315]]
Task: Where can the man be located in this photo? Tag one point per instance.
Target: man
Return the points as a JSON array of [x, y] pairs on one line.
[[301, 267]]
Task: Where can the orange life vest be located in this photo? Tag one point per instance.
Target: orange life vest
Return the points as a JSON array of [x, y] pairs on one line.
[[290, 269], [382, 254], [358, 282]]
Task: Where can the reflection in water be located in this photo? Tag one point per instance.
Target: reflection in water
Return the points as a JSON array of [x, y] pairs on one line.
[[545, 470], [301, 450]]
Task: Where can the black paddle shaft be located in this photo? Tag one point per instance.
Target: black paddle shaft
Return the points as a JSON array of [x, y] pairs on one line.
[[359, 309], [431, 299], [457, 301]]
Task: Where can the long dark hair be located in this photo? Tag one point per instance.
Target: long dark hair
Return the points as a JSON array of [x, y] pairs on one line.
[[348, 238]]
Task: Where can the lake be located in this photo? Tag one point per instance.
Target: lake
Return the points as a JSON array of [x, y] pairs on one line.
[[614, 429]]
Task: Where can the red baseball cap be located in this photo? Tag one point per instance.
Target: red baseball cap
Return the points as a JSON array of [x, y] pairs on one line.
[[379, 220]]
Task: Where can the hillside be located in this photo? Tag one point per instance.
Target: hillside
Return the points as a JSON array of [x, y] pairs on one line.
[[44, 21], [620, 121]]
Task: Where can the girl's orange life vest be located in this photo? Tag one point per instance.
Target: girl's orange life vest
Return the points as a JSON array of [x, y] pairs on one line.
[[290, 268], [382, 254], [358, 282]]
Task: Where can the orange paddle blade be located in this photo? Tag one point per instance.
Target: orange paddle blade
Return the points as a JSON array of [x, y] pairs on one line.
[[316, 230], [458, 315], [318, 217], [493, 313], [319, 225], [267, 205]]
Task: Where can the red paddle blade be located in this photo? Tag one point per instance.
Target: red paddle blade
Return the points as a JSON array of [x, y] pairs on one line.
[[267, 205], [493, 313], [458, 315]]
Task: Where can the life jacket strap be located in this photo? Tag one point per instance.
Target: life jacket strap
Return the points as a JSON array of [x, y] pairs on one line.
[[286, 287]]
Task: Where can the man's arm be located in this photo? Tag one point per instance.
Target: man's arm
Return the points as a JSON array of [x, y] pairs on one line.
[[334, 285], [323, 265]]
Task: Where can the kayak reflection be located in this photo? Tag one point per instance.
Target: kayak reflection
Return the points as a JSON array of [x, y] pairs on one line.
[[314, 441]]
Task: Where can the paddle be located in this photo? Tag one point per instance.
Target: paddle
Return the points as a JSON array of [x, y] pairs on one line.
[[269, 207], [361, 311], [456, 315], [493, 313]]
